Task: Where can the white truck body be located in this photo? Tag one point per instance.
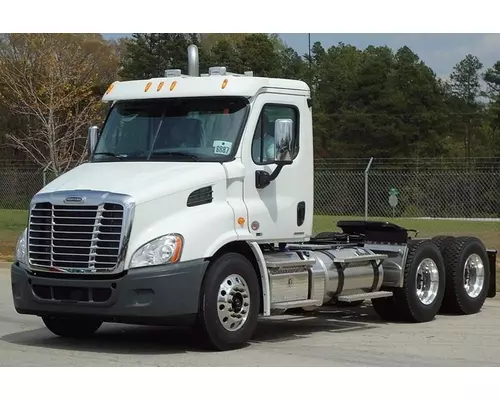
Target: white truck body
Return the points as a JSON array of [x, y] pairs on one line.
[[139, 236]]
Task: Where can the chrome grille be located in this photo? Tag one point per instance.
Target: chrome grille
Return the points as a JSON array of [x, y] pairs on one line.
[[75, 237]]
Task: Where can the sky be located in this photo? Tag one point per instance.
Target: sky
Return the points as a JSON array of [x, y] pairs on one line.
[[439, 51]]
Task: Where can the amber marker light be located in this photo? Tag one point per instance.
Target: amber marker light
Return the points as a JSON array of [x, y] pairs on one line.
[[177, 251], [160, 85], [172, 85], [224, 83], [110, 88], [147, 86]]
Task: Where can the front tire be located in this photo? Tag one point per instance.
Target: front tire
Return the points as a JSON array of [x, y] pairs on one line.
[[229, 304], [72, 327]]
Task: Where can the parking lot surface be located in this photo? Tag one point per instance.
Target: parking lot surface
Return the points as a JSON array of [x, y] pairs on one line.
[[347, 337]]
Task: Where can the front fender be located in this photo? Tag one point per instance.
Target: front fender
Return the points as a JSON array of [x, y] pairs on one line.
[[205, 228]]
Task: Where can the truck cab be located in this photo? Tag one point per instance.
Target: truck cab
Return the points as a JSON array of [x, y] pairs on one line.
[[196, 206]]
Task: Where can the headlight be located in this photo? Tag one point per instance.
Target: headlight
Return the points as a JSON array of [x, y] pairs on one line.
[[163, 250], [21, 248]]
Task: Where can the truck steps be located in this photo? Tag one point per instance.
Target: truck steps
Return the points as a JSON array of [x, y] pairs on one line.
[[364, 296], [285, 305]]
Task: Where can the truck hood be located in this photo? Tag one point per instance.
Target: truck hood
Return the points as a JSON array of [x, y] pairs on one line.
[[145, 181]]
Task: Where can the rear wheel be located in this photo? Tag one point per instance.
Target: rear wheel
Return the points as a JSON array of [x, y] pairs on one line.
[[422, 293], [468, 276], [230, 303], [72, 327], [442, 242]]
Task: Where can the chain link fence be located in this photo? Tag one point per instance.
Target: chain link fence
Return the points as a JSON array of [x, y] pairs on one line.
[[423, 188], [408, 188], [458, 197]]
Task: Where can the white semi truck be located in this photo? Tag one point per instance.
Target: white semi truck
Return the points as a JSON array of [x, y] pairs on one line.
[[196, 207]]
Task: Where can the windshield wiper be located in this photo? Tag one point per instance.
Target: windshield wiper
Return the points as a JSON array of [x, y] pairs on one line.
[[106, 153], [175, 153]]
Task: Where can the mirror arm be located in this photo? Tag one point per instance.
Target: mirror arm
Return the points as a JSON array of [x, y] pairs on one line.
[[264, 179]]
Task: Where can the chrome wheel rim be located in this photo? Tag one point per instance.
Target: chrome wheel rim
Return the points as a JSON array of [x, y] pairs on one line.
[[427, 278], [233, 302], [473, 275]]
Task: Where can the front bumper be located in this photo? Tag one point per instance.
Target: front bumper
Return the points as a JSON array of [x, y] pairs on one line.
[[161, 295]]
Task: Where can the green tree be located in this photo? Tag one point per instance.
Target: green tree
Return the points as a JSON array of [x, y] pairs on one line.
[[492, 79], [258, 54], [466, 87], [149, 55]]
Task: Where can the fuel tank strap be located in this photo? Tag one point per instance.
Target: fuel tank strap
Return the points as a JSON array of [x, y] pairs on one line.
[[376, 275], [340, 269]]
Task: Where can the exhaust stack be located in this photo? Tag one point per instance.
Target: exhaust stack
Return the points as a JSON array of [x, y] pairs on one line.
[[193, 61]]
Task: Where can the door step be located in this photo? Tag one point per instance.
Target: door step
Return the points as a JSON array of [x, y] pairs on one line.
[[295, 304], [364, 296]]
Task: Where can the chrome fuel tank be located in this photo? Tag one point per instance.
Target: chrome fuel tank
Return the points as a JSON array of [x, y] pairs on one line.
[[347, 271]]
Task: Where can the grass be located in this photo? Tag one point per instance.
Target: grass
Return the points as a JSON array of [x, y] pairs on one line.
[[12, 222]]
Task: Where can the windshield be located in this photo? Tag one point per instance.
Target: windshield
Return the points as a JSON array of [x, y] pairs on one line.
[[187, 129]]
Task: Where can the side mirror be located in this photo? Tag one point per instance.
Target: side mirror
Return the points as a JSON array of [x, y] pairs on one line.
[[93, 137], [283, 141]]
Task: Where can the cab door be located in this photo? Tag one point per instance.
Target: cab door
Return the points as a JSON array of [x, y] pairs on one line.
[[281, 211]]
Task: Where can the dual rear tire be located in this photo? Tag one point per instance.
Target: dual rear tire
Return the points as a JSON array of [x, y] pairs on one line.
[[467, 275], [445, 274]]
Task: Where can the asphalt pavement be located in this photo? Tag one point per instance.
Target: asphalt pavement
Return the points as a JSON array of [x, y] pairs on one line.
[[347, 337]]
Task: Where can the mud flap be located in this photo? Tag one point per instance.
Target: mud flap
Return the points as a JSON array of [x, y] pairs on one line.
[[492, 257]]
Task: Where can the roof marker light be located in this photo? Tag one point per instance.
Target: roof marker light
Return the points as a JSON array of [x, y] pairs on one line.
[[160, 85], [147, 86], [172, 85], [169, 73], [217, 71], [110, 88], [224, 83]]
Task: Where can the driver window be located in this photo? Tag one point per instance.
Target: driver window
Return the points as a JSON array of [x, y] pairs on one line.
[[263, 140]]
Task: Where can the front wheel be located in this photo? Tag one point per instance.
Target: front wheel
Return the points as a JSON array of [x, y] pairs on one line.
[[229, 304], [72, 327]]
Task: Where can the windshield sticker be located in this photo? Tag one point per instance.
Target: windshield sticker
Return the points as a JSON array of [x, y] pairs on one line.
[[222, 147]]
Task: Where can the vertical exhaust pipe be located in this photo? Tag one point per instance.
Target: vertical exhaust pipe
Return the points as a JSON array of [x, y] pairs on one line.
[[193, 61]]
